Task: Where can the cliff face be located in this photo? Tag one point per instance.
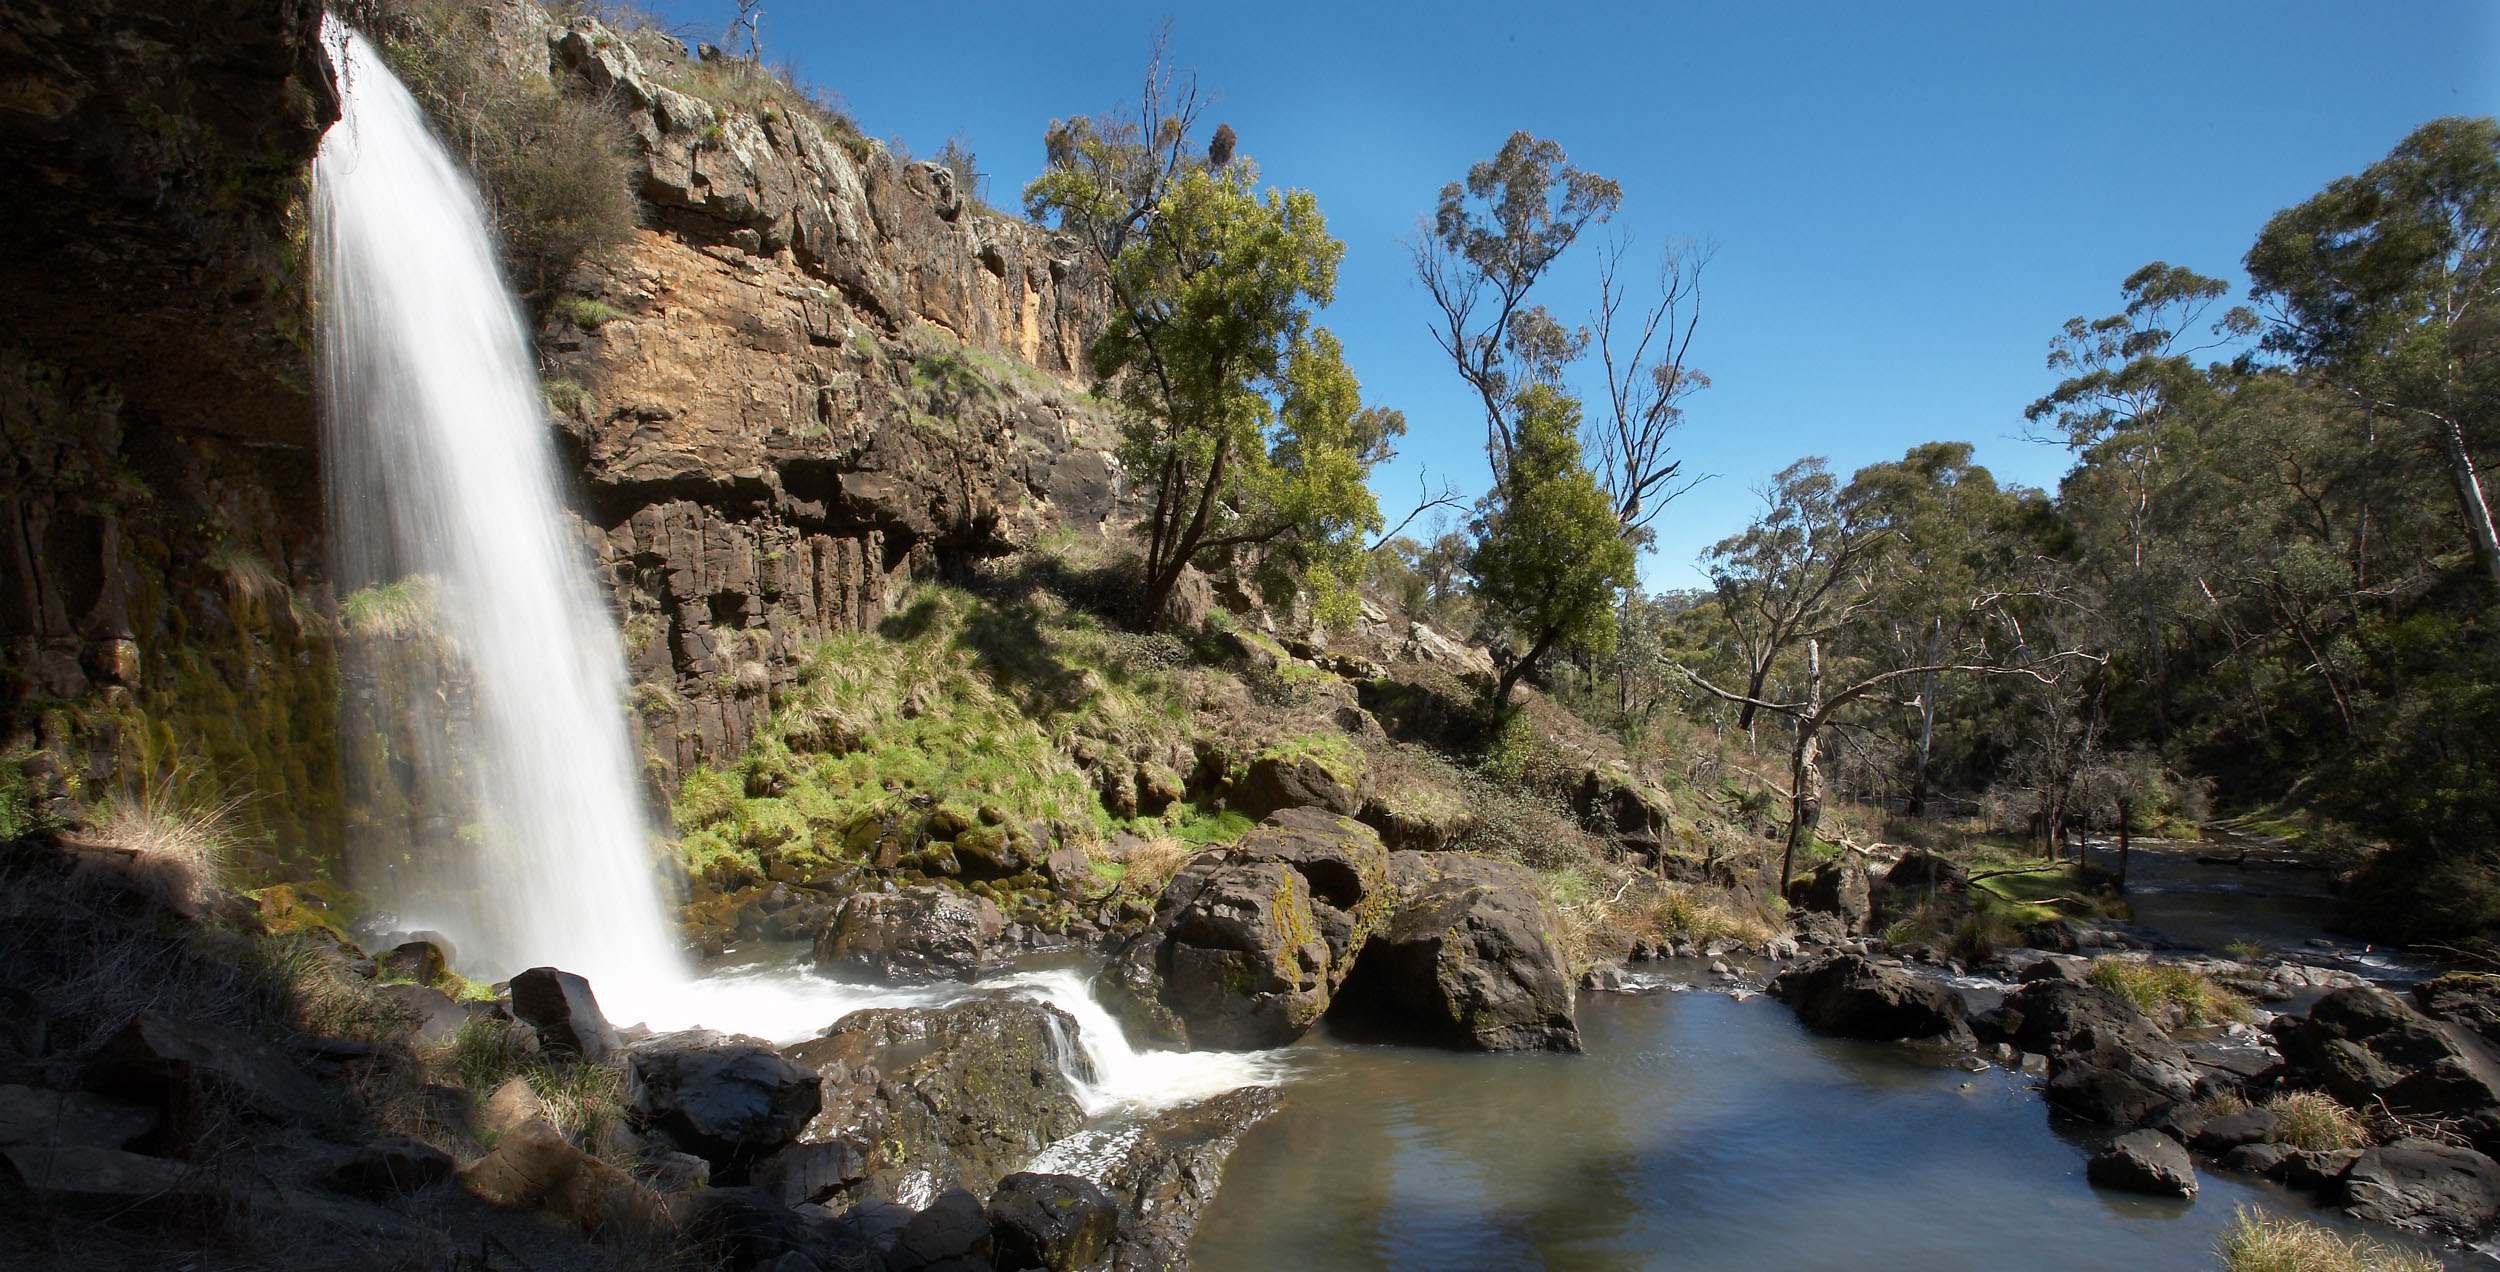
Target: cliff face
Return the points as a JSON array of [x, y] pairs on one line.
[[811, 377], [826, 375]]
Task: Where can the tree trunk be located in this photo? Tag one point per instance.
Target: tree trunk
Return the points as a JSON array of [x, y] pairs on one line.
[[1926, 726], [1518, 669], [1805, 770], [2470, 496], [2126, 813]]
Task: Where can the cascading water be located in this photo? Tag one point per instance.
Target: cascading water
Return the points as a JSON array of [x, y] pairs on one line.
[[442, 488], [500, 738]]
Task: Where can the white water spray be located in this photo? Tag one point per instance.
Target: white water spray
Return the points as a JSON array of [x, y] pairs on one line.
[[439, 466]]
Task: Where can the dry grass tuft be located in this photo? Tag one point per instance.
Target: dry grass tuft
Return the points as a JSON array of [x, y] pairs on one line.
[[2314, 1121], [2260, 1242], [1152, 864], [182, 846]]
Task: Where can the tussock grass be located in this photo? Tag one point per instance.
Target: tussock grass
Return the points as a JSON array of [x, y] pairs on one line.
[[183, 845], [402, 609], [2260, 1242], [2157, 988], [584, 1100], [2315, 1121], [1152, 864]]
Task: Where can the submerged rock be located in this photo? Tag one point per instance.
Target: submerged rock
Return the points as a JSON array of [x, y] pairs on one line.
[[917, 934], [955, 1096], [2144, 1162], [1468, 959], [1847, 996]]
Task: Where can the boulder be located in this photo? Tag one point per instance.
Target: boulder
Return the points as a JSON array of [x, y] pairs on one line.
[[1920, 871], [2317, 1168], [728, 1100], [916, 934], [2059, 967], [2259, 1159], [1249, 944], [436, 1015], [1057, 1222], [33, 1115], [389, 1166], [1273, 783], [1070, 871], [1841, 888], [508, 1106], [951, 1235], [804, 1174], [2465, 998], [533, 1167], [1467, 959], [86, 1176], [418, 962], [2423, 1186], [963, 1094], [740, 1228], [2367, 1046], [2144, 1162], [2222, 1134], [185, 1068], [560, 1006], [2107, 1063], [1847, 996]]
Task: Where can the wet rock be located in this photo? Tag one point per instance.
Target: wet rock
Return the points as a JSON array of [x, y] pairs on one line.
[[1467, 959], [1604, 978], [2366, 1045], [2106, 1062], [1840, 888], [186, 1068], [419, 962], [960, 1095], [561, 1007], [1057, 1222], [917, 934], [726, 1099], [2423, 1186], [952, 1235], [385, 1167], [2144, 1162], [533, 1167], [1164, 1172], [33, 1115], [1847, 996]]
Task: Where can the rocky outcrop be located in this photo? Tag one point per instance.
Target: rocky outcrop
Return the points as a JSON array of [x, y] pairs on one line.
[[933, 1097], [2366, 1046], [731, 1101], [1847, 996], [1841, 888], [2425, 1187], [916, 934], [2107, 1062], [1467, 959], [1249, 944], [1276, 782]]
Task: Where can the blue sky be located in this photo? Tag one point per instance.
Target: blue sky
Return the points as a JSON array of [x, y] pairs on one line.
[[1907, 200]]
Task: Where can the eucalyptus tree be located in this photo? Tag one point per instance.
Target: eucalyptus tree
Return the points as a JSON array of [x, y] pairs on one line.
[[1237, 413], [1791, 576]]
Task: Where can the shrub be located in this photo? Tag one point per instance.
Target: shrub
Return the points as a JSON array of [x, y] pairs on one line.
[[2260, 1242], [584, 312], [2314, 1121]]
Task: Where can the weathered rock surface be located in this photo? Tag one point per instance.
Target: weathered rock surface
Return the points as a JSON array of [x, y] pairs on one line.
[[187, 1068], [951, 1235], [564, 1011], [1249, 944], [2107, 1061], [388, 1166], [729, 1100], [86, 1176], [2144, 1162], [916, 934], [1058, 1222], [1467, 959], [2367, 1045], [33, 1115], [958, 1095], [1847, 996], [1276, 782], [2423, 1186], [1922, 871], [533, 1167], [2465, 998], [1843, 889]]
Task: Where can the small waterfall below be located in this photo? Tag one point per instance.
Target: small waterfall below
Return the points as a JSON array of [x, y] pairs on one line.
[[523, 835]]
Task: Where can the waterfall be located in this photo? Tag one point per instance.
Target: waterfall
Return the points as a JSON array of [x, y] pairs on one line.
[[528, 843]]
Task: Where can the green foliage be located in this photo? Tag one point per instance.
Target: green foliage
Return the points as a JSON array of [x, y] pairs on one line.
[[1550, 559], [23, 809], [551, 166], [584, 312], [2159, 987], [1239, 416], [402, 609]]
